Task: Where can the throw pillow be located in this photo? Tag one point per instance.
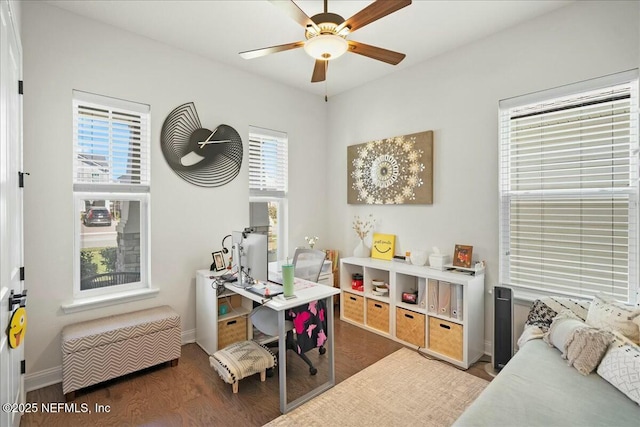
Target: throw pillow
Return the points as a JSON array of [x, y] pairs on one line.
[[540, 315], [562, 329], [606, 313], [577, 306], [621, 367], [586, 347]]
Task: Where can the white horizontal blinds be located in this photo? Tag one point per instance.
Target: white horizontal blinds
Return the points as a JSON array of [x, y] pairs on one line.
[[111, 143], [569, 191], [268, 163]]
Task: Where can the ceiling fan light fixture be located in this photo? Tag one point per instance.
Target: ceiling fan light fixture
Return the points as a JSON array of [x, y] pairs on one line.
[[326, 46]]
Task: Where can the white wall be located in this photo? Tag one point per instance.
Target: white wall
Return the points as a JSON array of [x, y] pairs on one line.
[[63, 52], [456, 95]]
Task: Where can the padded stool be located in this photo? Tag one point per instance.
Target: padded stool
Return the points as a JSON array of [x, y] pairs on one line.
[[241, 359]]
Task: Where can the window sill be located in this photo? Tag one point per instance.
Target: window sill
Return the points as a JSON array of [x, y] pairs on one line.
[[82, 304], [526, 297]]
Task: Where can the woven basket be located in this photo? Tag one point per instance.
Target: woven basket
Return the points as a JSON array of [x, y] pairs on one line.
[[410, 326], [378, 315], [231, 330], [445, 338], [353, 307]]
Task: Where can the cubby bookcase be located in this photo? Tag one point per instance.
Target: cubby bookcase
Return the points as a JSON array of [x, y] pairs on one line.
[[446, 322]]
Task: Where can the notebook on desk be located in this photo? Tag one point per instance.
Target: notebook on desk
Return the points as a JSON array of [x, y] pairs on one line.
[[266, 289]]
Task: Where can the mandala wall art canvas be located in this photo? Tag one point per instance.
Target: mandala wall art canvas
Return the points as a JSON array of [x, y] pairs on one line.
[[392, 171]]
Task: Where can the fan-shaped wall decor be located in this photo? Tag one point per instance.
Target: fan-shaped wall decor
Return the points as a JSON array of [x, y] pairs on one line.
[[208, 158]]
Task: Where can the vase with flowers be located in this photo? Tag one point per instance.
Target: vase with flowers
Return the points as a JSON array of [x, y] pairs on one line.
[[311, 240], [362, 228]]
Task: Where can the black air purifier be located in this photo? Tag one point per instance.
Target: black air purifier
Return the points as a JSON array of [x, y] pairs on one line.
[[502, 326]]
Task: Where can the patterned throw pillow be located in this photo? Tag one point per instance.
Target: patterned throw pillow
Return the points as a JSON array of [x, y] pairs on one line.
[[621, 367], [544, 310], [586, 347], [605, 313], [540, 315]]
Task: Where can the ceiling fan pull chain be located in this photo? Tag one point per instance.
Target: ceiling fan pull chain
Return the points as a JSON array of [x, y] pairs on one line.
[[326, 65]]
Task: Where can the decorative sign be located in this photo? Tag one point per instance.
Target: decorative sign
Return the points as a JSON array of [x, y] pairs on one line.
[[17, 327], [383, 246], [392, 171]]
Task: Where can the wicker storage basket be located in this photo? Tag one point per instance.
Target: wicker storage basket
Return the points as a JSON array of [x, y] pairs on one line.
[[378, 315], [353, 307], [231, 330], [445, 338], [410, 326]]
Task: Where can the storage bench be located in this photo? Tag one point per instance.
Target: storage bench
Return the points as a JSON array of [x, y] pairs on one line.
[[102, 349]]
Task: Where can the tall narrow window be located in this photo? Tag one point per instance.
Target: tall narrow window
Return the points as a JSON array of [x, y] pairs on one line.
[[569, 189], [111, 185], [268, 181]]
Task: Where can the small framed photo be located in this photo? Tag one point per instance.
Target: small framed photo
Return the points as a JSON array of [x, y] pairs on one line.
[[462, 256], [218, 260]]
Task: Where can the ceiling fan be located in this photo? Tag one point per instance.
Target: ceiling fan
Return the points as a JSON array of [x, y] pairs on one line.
[[326, 35]]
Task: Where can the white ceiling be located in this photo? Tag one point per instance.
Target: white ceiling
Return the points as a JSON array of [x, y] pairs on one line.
[[219, 29]]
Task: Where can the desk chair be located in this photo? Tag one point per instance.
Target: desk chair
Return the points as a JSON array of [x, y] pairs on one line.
[[307, 265]]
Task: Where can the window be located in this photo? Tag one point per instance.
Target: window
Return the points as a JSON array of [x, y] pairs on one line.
[[268, 180], [569, 189], [111, 184]]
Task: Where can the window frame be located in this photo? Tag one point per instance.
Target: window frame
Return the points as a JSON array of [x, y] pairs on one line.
[[506, 195], [145, 244], [112, 190], [281, 251]]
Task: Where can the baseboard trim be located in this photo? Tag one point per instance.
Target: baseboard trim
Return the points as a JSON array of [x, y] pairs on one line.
[[47, 377], [188, 336], [43, 378], [488, 348]]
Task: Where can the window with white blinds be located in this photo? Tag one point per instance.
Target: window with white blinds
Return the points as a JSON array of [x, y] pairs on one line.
[[111, 188], [268, 186], [111, 143], [268, 159], [569, 189]]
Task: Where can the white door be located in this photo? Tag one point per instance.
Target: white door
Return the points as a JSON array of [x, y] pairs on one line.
[[11, 254]]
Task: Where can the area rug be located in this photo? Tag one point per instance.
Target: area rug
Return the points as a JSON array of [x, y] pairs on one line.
[[403, 389]]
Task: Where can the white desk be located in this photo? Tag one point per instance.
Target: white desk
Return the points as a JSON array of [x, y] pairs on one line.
[[305, 292]]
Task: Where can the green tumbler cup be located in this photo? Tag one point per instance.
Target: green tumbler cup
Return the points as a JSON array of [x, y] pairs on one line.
[[287, 279]]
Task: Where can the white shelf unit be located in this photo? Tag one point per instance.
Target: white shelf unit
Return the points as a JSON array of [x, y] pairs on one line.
[[440, 334], [209, 322]]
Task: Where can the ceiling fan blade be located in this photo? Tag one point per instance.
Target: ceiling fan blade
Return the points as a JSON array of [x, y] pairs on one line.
[[319, 71], [250, 54], [373, 12], [298, 15], [384, 55]]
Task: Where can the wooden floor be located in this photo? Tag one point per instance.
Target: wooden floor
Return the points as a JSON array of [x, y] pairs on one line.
[[192, 394]]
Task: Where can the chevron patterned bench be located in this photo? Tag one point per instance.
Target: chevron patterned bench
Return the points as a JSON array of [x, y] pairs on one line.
[[102, 349]]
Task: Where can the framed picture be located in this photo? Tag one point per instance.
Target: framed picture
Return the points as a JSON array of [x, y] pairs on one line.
[[218, 260], [462, 256], [391, 171]]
